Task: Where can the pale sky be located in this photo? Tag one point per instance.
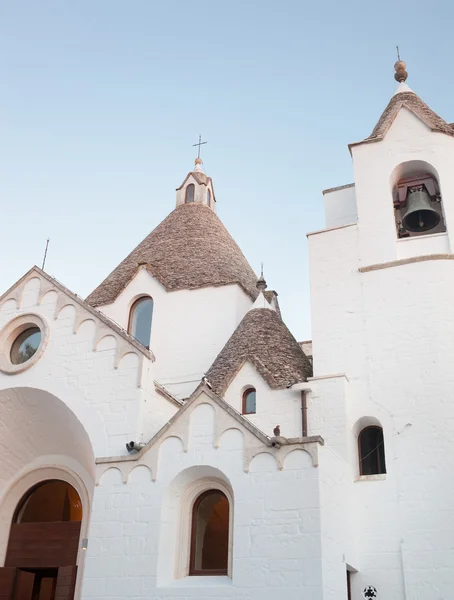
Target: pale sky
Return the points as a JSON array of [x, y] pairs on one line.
[[101, 102]]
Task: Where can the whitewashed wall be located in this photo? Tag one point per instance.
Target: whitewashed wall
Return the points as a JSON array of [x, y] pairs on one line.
[[80, 371], [190, 327], [139, 516], [390, 331], [274, 407]]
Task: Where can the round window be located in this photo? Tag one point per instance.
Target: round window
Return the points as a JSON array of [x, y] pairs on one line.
[[25, 345]]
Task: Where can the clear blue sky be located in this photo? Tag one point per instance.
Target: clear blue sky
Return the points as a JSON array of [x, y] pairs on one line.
[[101, 101]]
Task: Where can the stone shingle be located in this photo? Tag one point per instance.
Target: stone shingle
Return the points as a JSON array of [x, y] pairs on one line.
[[263, 339], [190, 249], [413, 103]]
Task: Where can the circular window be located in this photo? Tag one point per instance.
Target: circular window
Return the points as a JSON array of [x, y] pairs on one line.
[[25, 345], [24, 339]]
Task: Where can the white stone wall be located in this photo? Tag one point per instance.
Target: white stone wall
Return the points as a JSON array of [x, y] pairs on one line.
[[340, 206], [138, 539], [79, 367], [390, 331], [190, 327], [274, 407]]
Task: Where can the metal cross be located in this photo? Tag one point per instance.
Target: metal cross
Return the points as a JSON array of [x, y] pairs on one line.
[[398, 53], [200, 143]]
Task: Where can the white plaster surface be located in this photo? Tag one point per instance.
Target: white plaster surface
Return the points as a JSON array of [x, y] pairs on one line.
[[390, 331]]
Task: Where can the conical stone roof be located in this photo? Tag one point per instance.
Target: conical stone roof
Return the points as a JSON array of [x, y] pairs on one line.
[[412, 102], [190, 249], [263, 339]]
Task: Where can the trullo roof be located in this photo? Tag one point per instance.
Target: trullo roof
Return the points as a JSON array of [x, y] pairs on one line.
[[263, 339], [190, 249]]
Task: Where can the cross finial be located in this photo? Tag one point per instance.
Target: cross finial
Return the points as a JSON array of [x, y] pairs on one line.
[[398, 54], [199, 143]]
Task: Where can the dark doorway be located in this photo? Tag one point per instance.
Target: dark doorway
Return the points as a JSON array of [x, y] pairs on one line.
[[43, 544]]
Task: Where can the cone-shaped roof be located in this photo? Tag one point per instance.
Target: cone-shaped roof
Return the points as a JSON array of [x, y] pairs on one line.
[[263, 339], [190, 249], [412, 102], [406, 98]]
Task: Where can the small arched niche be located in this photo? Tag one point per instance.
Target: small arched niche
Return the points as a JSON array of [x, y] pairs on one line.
[[417, 199]]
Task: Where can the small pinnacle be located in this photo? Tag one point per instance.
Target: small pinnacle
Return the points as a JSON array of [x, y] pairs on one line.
[[261, 284], [400, 74]]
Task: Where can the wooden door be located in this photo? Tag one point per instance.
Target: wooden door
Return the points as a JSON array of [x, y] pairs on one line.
[[66, 583], [23, 589], [7, 579]]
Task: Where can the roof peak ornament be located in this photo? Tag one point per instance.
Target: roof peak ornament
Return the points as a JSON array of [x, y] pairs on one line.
[[261, 283], [198, 160], [400, 66]]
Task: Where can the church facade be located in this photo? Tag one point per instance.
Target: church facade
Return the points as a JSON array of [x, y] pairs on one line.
[[169, 438]]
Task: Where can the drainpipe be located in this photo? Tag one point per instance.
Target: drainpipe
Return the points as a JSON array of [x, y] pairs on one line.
[[303, 413]]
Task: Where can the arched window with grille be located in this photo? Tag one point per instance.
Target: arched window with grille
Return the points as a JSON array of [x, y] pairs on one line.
[[371, 447], [249, 401], [190, 192], [210, 534], [140, 319]]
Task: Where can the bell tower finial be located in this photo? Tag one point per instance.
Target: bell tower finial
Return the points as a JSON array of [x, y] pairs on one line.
[[401, 74]]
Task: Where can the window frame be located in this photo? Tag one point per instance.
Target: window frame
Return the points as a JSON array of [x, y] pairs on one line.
[[360, 457], [247, 391], [206, 572], [186, 201], [131, 316]]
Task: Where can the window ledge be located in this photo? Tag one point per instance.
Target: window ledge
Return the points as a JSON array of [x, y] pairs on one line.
[[379, 477], [200, 581]]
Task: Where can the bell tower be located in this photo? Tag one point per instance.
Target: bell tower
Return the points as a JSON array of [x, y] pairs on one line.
[[197, 188]]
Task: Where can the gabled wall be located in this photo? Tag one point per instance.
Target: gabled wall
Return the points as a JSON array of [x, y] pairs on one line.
[[274, 407], [86, 365], [408, 139], [141, 516]]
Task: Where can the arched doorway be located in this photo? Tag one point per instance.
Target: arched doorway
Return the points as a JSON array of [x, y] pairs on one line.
[[41, 559]]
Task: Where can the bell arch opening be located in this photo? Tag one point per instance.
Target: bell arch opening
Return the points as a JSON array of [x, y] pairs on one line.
[[417, 200]]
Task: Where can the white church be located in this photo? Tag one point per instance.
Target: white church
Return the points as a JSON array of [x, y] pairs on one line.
[[168, 438]]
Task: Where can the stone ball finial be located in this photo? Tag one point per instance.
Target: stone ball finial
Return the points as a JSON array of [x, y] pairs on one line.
[[198, 161], [261, 284], [400, 74]]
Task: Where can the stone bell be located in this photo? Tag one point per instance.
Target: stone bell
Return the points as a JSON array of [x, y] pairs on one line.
[[419, 216]]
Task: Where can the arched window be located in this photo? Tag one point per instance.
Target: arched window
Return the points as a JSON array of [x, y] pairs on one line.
[[51, 501], [210, 534], [371, 448], [190, 191], [140, 319], [208, 197], [249, 401]]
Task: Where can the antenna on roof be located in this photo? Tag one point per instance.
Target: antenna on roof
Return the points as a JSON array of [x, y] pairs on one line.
[[45, 253]]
